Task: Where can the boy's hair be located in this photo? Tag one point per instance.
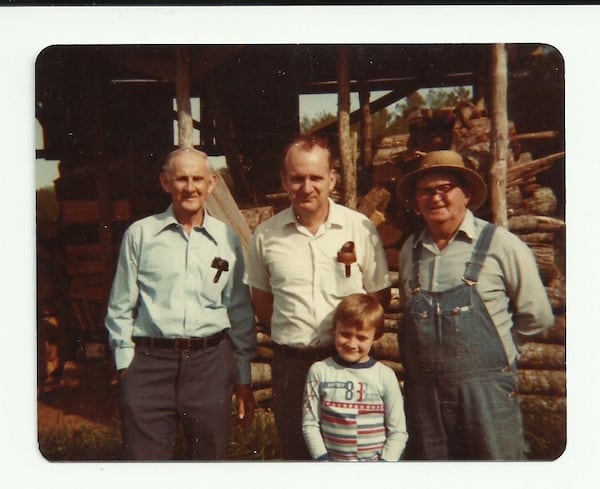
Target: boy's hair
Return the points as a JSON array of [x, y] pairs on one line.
[[362, 311]]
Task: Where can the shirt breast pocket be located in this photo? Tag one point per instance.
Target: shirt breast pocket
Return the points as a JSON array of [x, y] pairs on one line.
[[212, 291], [345, 280]]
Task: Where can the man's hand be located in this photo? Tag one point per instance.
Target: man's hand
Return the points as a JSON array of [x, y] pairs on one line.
[[245, 404]]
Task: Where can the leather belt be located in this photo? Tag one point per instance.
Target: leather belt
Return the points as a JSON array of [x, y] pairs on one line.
[[309, 353], [182, 344]]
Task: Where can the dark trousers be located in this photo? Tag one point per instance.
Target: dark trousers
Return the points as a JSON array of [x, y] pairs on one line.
[[164, 387], [289, 378]]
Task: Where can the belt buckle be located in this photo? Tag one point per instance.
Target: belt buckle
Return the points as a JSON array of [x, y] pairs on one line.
[[182, 345]]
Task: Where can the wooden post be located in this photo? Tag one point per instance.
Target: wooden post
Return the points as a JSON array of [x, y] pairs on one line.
[[220, 203], [185, 124], [366, 151], [348, 168], [498, 136]]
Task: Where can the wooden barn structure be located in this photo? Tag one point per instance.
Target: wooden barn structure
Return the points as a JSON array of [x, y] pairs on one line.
[[108, 115]]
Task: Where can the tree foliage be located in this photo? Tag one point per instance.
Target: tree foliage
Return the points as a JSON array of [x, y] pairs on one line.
[[437, 99], [311, 124], [388, 121]]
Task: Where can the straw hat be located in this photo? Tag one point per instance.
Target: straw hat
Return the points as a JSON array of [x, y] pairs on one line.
[[443, 160]]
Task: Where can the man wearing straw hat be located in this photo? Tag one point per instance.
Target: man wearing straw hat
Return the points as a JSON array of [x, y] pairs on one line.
[[467, 286]]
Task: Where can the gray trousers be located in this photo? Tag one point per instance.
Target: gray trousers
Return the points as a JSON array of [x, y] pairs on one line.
[[164, 387]]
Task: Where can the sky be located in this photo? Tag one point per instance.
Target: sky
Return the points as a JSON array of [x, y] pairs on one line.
[[25, 31]]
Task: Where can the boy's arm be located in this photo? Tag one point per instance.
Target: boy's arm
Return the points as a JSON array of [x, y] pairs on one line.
[[311, 415], [395, 422]]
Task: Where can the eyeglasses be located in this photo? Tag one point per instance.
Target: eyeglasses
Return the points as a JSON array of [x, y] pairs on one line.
[[443, 189]]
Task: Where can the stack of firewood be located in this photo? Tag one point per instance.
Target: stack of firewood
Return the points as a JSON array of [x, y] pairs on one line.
[[533, 213]]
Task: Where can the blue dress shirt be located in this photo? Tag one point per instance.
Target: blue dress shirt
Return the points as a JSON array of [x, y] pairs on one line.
[[164, 287]]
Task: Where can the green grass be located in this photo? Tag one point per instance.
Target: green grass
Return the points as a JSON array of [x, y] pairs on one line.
[[85, 442], [90, 442]]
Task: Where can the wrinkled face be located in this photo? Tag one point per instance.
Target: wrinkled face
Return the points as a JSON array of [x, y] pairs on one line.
[[308, 180], [439, 198], [189, 181], [353, 344]]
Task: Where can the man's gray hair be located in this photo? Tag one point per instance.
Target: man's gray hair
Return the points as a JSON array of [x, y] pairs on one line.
[[167, 167]]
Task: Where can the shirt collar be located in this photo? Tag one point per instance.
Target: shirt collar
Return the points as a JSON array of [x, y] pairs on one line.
[[167, 219], [340, 361], [334, 218], [466, 229]]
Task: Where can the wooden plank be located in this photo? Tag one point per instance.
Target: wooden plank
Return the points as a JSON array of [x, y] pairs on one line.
[[222, 205]]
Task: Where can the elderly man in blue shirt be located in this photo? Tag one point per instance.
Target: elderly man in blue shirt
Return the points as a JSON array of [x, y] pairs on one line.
[[181, 322], [468, 286]]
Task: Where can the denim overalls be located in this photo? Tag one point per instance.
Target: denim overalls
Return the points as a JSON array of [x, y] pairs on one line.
[[460, 390]]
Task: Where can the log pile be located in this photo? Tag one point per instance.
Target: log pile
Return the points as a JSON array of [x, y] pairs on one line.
[[533, 216]]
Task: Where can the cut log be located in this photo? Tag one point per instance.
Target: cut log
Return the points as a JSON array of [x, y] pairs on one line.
[[263, 354], [263, 338], [530, 223], [514, 200], [544, 422], [376, 199], [545, 259], [260, 373], [557, 333], [534, 135], [257, 215], [542, 356], [263, 395], [543, 382], [536, 238], [386, 347], [543, 404], [557, 293], [518, 173], [543, 202]]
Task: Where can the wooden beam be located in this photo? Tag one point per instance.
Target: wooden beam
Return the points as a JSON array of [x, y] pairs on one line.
[[374, 106]]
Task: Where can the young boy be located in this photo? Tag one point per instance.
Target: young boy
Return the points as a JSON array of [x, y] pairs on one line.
[[353, 407]]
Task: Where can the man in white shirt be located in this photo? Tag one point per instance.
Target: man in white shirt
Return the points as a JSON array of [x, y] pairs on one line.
[[301, 263]]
